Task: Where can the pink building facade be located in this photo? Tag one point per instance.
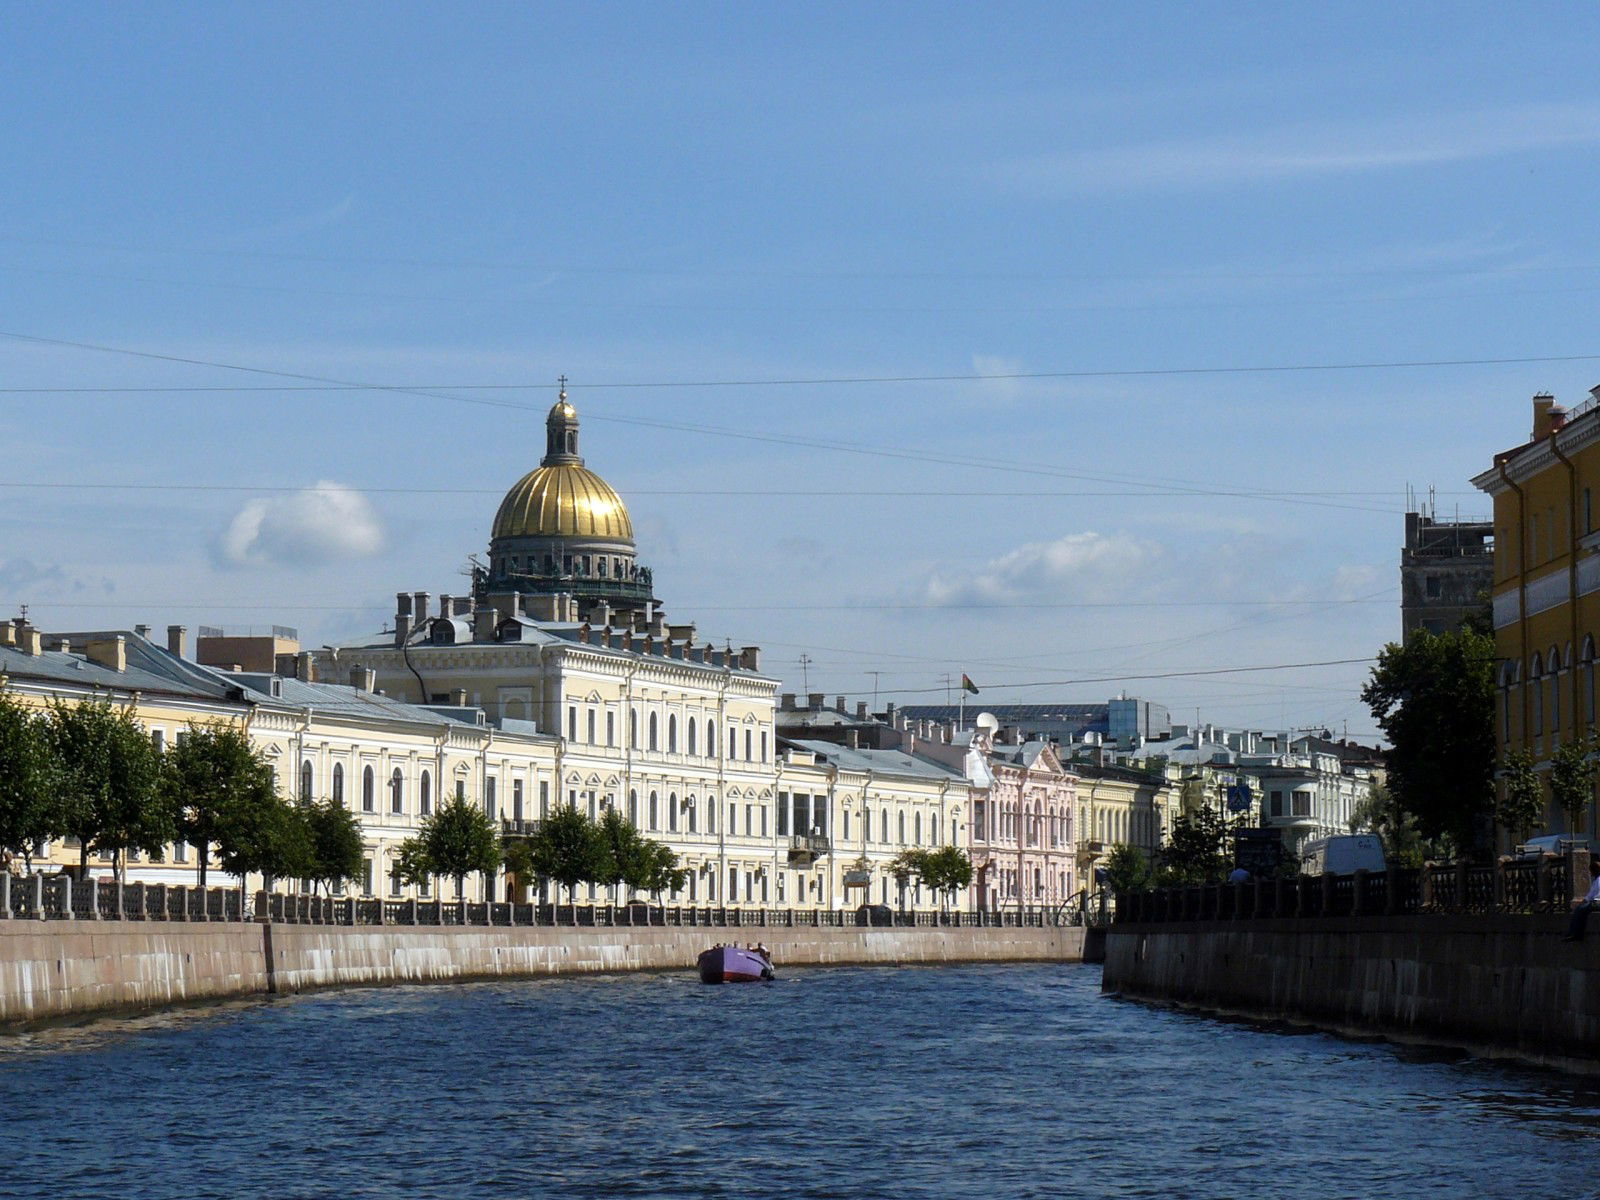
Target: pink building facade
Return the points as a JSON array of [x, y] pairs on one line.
[[1021, 832]]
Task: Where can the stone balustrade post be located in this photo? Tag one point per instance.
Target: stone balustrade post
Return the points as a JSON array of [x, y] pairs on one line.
[[1543, 892], [66, 898], [5, 895], [1578, 877], [1426, 899], [411, 911], [383, 915], [122, 913], [1358, 894], [93, 886], [38, 897]]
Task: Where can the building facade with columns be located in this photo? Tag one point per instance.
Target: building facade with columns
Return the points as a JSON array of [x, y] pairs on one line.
[[1546, 598]]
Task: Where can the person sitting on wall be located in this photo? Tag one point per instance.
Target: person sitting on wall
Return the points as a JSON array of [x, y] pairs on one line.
[[1590, 901]]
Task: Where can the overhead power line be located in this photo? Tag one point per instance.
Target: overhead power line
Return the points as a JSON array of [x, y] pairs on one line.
[[1333, 662], [1166, 486]]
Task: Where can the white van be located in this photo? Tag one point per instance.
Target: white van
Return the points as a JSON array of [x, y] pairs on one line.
[[1343, 854]]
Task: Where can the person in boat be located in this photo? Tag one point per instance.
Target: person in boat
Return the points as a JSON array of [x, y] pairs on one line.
[[761, 949]]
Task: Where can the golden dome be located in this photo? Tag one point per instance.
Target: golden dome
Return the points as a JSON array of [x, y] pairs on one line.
[[565, 500]]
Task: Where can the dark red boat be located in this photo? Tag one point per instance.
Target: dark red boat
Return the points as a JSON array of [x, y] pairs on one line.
[[734, 964]]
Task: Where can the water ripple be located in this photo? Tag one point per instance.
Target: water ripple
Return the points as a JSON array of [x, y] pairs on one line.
[[852, 1082]]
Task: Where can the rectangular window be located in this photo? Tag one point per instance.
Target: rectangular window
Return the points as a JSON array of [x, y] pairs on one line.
[[611, 729], [516, 799], [544, 798], [733, 819], [749, 820], [158, 739], [180, 852], [591, 726], [488, 797], [763, 745], [747, 746], [783, 814], [763, 820], [572, 723], [461, 789], [366, 877]]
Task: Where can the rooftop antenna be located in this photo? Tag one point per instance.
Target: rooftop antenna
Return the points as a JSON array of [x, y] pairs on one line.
[[805, 673], [875, 675]]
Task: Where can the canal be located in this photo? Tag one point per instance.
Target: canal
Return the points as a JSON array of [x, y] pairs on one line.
[[992, 1081]]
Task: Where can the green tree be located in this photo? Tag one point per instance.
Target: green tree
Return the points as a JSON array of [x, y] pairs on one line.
[[1520, 805], [110, 781], [659, 871], [1434, 700], [30, 811], [335, 853], [1572, 775], [457, 840], [221, 792], [1127, 869], [947, 871], [1378, 812], [1198, 849], [568, 850], [906, 866], [626, 855]]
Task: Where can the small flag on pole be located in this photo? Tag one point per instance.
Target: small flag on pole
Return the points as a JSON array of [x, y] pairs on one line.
[[968, 686]]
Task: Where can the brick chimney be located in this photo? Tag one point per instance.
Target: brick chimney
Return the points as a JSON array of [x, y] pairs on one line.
[[1548, 416], [178, 640], [110, 653], [363, 679], [402, 618], [305, 667]]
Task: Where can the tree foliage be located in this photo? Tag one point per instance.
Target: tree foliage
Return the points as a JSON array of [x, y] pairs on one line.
[[458, 839], [944, 871], [1127, 869], [221, 792], [567, 849], [110, 781], [1572, 774], [1520, 806], [1378, 812], [1434, 700], [334, 848], [1198, 849], [29, 809]]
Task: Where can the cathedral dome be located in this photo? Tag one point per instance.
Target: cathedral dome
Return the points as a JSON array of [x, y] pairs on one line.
[[564, 500]]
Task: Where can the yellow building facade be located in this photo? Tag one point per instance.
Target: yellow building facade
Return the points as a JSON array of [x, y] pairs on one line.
[[1546, 595]]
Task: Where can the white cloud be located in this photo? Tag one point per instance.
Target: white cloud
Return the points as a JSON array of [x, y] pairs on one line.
[[1308, 151], [324, 523], [1087, 567]]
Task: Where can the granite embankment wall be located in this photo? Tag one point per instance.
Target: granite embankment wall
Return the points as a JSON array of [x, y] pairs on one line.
[[54, 969], [1502, 985]]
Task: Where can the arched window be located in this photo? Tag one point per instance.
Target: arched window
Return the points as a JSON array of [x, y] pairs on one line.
[[916, 823], [1586, 681], [672, 811], [425, 794], [1536, 694], [633, 808], [369, 798], [633, 728], [397, 795], [711, 739], [1555, 666], [883, 825], [902, 824], [672, 733], [305, 782], [654, 741], [338, 784], [690, 731], [694, 817], [655, 812]]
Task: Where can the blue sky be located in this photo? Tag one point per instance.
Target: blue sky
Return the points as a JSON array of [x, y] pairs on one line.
[[435, 197]]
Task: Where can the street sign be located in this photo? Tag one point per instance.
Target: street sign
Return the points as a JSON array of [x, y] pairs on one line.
[[1239, 798]]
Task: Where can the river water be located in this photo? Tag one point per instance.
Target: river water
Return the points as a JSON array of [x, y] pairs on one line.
[[847, 1082]]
